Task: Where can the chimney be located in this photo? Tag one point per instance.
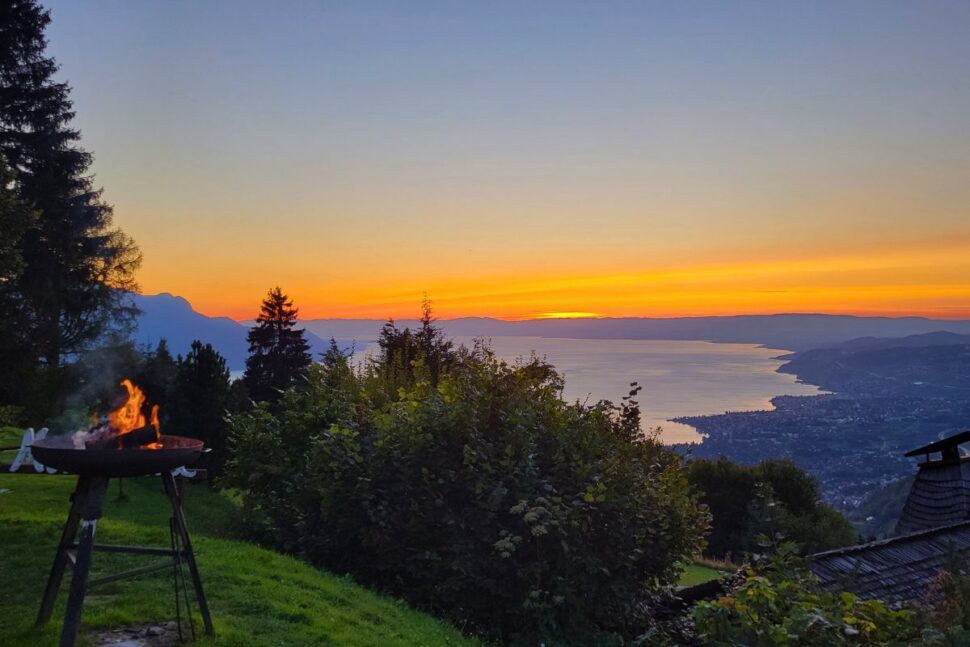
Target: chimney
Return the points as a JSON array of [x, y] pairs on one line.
[[940, 495]]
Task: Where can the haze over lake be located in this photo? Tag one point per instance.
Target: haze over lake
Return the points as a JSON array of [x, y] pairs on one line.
[[679, 378]]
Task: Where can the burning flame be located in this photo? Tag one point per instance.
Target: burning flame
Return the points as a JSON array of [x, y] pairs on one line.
[[129, 416], [154, 420]]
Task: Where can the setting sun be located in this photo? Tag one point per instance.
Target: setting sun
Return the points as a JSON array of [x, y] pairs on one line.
[[567, 315]]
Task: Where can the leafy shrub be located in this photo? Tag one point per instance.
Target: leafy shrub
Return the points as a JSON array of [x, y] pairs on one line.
[[738, 495], [11, 416], [779, 603], [484, 496], [947, 606]]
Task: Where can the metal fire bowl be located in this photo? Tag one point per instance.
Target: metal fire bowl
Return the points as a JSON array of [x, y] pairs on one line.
[[61, 455]]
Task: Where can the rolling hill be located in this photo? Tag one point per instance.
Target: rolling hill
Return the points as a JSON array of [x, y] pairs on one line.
[[788, 331]]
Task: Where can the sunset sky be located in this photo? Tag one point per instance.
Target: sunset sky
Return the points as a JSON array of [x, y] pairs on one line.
[[517, 159]]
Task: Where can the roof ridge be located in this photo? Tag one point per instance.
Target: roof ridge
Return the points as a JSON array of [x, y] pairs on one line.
[[848, 550]]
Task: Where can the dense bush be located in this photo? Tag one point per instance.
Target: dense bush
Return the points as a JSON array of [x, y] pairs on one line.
[[773, 497], [485, 497]]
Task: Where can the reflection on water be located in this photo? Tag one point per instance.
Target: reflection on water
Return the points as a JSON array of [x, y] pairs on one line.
[[679, 378]]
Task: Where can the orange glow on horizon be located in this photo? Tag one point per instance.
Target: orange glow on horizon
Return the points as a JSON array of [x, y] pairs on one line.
[[930, 279]]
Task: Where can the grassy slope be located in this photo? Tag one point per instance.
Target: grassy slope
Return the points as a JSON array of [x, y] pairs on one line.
[[257, 597]]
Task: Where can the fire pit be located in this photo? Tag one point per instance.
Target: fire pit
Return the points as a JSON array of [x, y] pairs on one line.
[[118, 445], [171, 452]]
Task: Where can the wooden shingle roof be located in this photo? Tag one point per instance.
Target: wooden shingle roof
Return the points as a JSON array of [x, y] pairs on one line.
[[892, 570]]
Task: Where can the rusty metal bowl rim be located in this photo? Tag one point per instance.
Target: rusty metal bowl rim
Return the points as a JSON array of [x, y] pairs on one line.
[[176, 451]]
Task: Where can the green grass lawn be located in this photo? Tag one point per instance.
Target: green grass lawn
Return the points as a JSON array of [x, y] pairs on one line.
[[256, 596], [698, 574], [10, 437]]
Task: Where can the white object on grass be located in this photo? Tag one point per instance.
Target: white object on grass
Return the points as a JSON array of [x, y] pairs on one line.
[[24, 457]]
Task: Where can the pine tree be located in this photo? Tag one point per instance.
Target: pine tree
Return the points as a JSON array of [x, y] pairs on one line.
[[199, 400], [78, 269], [279, 354], [334, 358], [15, 218], [15, 359], [400, 349], [157, 377], [336, 365], [239, 400], [436, 349]]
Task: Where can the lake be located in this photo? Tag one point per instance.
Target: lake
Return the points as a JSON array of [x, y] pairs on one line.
[[679, 378]]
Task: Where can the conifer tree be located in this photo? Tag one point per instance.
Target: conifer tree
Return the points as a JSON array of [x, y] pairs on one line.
[[15, 217], [279, 354], [239, 401], [157, 377], [334, 358], [199, 401], [434, 346], [401, 348], [77, 268], [14, 356]]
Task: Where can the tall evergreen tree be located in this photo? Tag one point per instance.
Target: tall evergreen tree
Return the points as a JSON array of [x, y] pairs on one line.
[[78, 269], [15, 218], [199, 400], [401, 348], [157, 377], [278, 353], [436, 349], [239, 400]]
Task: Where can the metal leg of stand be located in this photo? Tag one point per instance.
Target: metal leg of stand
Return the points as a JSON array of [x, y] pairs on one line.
[[171, 488], [61, 557]]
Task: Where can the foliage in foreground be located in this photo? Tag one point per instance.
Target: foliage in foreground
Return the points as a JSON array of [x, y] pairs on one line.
[[484, 497], [946, 606], [779, 603]]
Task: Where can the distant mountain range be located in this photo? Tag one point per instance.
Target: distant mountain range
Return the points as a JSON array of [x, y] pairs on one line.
[[938, 338], [928, 365], [172, 317], [793, 332]]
